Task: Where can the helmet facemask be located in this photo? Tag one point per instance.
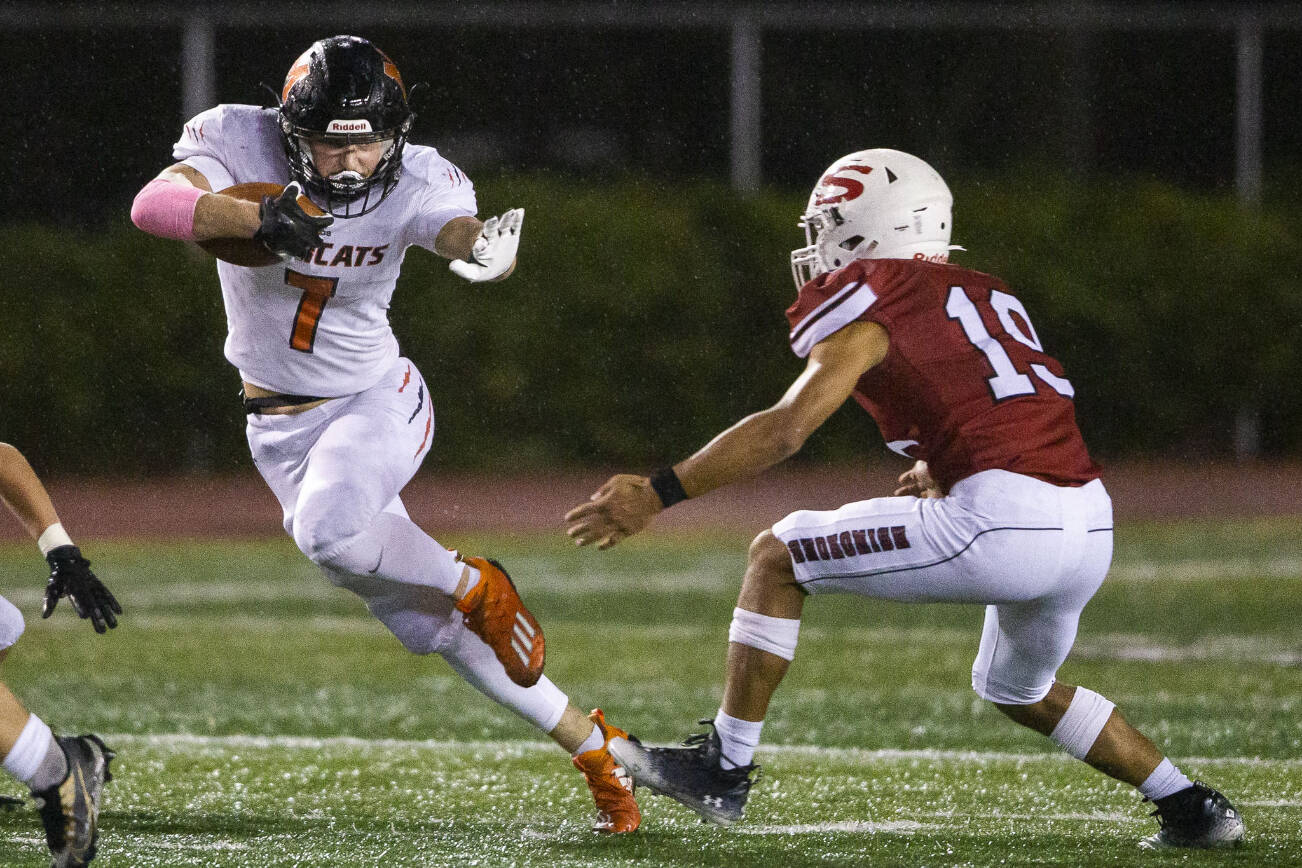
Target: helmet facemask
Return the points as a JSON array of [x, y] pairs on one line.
[[345, 193], [824, 249]]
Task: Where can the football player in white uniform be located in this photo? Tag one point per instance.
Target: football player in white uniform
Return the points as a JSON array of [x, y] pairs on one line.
[[65, 773], [338, 421]]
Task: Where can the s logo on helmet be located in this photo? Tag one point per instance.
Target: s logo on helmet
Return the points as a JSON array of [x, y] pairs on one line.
[[851, 188]]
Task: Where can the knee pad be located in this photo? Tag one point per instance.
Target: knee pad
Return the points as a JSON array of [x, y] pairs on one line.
[[1082, 722], [358, 555], [11, 623], [329, 531], [777, 636]]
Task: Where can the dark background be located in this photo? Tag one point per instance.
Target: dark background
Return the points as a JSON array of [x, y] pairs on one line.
[[1094, 169], [93, 109]]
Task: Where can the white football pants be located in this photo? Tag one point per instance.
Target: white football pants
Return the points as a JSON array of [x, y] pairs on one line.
[[337, 470], [11, 623], [1035, 553]]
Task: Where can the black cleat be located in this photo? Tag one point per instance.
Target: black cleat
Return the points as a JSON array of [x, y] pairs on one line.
[[70, 810], [690, 774], [1197, 816]]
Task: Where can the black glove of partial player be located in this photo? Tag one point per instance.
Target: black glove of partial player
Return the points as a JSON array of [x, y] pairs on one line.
[[288, 230], [70, 577]]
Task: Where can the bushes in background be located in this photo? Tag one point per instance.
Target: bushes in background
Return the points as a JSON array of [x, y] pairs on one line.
[[644, 317]]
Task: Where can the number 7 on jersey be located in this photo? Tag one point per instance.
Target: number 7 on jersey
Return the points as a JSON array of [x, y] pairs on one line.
[[316, 292]]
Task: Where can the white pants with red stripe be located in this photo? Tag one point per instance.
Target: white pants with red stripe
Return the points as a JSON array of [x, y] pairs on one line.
[[1034, 553], [337, 470]]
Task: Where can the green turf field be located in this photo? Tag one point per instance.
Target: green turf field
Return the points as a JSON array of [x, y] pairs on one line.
[[262, 718]]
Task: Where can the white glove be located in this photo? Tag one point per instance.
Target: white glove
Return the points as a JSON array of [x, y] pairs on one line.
[[494, 250]]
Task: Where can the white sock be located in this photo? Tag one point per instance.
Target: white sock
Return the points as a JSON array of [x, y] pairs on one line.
[[1165, 780], [594, 740], [543, 705], [738, 739], [36, 758]]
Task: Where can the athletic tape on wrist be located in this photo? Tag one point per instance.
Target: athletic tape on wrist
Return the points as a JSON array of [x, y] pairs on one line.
[[668, 487], [1081, 724], [777, 636], [53, 537], [166, 209]]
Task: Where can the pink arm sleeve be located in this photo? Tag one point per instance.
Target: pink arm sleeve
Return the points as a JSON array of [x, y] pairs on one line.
[[166, 209]]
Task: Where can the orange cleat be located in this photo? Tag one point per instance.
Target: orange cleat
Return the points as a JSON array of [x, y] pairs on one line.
[[495, 613], [612, 788]]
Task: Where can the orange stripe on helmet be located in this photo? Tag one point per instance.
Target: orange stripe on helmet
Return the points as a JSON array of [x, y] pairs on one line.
[[296, 73], [391, 70]]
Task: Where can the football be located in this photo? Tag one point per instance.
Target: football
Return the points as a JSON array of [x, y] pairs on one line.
[[246, 251]]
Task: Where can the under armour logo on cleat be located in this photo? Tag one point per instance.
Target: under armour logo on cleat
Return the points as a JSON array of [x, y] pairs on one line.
[[712, 801]]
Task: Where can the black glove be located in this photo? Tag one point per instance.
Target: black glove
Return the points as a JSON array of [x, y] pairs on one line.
[[286, 228], [70, 577]]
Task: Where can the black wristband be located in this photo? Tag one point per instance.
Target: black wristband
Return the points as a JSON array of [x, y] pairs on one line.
[[667, 486]]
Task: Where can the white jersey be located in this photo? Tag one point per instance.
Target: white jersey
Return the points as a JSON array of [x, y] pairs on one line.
[[319, 327]]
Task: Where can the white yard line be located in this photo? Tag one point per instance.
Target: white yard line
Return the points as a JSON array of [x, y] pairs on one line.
[[1205, 569], [1256, 650], [296, 587], [710, 576], [836, 754], [889, 827], [1237, 649]]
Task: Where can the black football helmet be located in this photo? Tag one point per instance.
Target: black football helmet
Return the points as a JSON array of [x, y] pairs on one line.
[[344, 90]]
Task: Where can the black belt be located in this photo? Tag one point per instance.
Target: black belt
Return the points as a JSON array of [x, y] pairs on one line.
[[271, 402]]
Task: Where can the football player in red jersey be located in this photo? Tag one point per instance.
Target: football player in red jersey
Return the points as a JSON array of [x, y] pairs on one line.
[[1002, 507]]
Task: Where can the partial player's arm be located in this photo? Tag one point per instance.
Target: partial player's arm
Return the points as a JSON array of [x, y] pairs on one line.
[[23, 493], [626, 503], [181, 205], [481, 251], [212, 215], [70, 574], [456, 240]]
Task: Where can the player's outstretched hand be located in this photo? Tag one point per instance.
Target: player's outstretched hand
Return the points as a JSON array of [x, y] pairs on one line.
[[619, 509], [493, 255], [917, 482], [70, 577], [287, 230]]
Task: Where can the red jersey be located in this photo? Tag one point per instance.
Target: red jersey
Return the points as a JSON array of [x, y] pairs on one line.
[[966, 385]]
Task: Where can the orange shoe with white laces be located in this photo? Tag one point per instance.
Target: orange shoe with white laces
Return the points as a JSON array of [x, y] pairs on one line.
[[612, 788], [494, 612]]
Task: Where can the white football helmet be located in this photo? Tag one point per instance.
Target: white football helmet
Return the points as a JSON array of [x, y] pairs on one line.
[[874, 204]]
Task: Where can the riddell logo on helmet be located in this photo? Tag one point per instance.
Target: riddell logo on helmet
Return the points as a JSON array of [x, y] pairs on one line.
[[357, 126]]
